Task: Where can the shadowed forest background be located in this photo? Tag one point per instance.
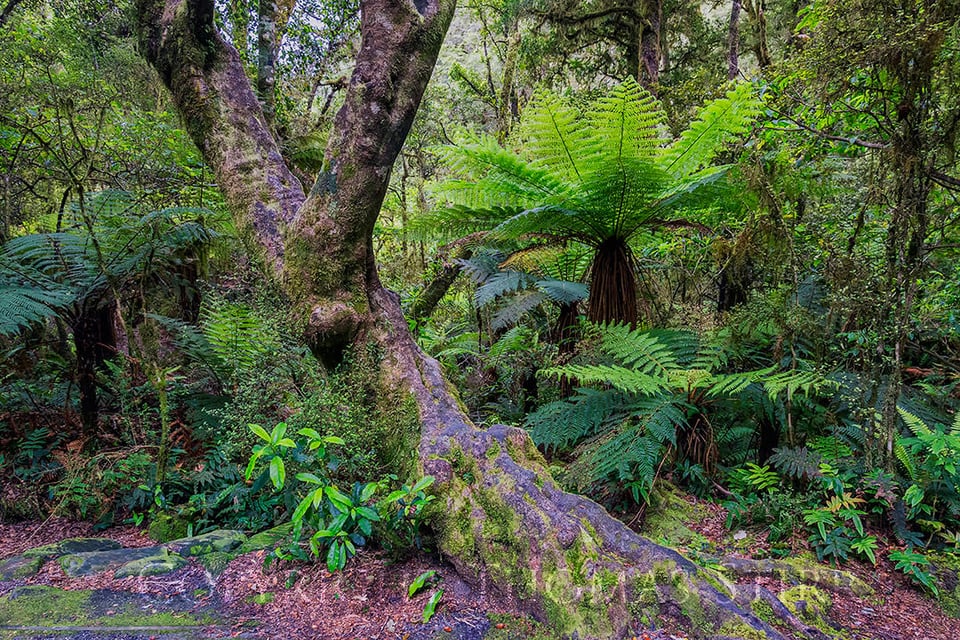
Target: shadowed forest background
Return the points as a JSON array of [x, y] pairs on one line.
[[689, 248]]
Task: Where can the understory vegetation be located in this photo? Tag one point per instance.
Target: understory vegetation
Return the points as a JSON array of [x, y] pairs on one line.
[[737, 276]]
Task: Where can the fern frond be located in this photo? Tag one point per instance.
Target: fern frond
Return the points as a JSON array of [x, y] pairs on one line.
[[514, 340], [626, 123], [562, 291], [515, 307], [499, 284], [621, 378], [22, 306], [717, 123], [500, 177], [553, 136], [558, 424], [650, 354], [915, 424]]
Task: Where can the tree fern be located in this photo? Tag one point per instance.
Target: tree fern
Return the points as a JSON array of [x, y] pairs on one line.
[[649, 387], [599, 177]]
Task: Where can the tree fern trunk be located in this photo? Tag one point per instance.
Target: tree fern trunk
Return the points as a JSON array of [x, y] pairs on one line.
[[95, 342], [613, 284]]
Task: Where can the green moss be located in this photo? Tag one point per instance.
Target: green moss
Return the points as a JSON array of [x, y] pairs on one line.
[[463, 465], [575, 562], [763, 610], [607, 579], [740, 630], [493, 450], [716, 580], [946, 569], [216, 562], [266, 540], [47, 606], [663, 571], [668, 519], [260, 598], [810, 604], [167, 527], [805, 568]]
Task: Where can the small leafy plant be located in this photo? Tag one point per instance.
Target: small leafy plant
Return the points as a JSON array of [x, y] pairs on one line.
[[421, 581], [334, 522], [916, 565]]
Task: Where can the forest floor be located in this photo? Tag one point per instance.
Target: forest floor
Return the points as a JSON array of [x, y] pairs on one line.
[[368, 600]]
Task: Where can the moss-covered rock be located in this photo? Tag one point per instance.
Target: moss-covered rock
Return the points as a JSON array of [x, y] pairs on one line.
[[19, 567], [71, 545], [216, 562], [267, 540], [151, 566], [799, 570], [946, 569], [86, 564], [810, 604], [43, 606], [219, 540], [669, 516], [166, 527]]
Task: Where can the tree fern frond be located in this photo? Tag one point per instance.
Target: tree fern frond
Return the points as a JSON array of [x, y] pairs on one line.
[[500, 176], [562, 291], [553, 136], [515, 307], [628, 455], [717, 123], [481, 265], [450, 223], [626, 123], [25, 305], [558, 424], [498, 284], [794, 381], [621, 378], [648, 353]]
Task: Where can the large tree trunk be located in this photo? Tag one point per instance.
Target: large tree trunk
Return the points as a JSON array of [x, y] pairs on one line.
[[501, 519]]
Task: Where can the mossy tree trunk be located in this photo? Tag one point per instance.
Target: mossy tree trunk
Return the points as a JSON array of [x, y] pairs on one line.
[[501, 519]]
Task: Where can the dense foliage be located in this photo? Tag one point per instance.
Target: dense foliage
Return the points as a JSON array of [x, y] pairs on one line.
[[742, 283]]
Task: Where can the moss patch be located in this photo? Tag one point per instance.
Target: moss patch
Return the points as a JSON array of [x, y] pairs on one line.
[[946, 569], [47, 606], [260, 598], [216, 563], [810, 604], [166, 527], [668, 518], [267, 540]]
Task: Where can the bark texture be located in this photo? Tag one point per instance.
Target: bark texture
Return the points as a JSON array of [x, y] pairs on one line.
[[501, 519], [733, 41]]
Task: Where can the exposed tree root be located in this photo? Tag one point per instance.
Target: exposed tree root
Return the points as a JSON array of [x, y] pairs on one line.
[[799, 572], [504, 524]]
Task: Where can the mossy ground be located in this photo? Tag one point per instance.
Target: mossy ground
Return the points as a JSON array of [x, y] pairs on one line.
[[43, 606]]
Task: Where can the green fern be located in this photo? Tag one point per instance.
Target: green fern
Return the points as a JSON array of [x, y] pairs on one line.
[[598, 178], [718, 122], [646, 391], [236, 335]]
